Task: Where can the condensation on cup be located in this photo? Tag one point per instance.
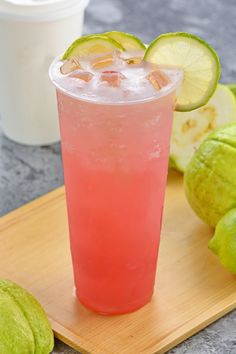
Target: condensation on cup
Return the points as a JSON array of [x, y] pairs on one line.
[[32, 33]]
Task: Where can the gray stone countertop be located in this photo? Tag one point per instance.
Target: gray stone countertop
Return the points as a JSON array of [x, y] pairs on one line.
[[28, 172]]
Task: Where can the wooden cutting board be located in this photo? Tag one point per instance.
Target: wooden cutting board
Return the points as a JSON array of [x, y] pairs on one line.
[[192, 288]]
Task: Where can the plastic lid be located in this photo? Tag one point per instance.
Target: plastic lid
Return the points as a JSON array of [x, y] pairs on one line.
[[40, 10]]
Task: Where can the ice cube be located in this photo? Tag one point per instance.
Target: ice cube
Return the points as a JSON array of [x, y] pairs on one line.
[[113, 78], [70, 65], [82, 75], [133, 60], [102, 61], [158, 79]]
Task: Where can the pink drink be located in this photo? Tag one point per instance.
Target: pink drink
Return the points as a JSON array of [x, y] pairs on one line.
[[115, 157]]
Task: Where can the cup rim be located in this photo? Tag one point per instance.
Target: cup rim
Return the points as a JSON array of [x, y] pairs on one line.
[[59, 88]]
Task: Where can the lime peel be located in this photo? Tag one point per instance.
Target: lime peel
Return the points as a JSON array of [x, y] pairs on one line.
[[127, 40], [86, 45]]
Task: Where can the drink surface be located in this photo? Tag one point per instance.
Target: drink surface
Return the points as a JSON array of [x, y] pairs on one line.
[[114, 78]]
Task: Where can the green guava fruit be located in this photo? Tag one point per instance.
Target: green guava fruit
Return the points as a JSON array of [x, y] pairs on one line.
[[24, 327], [223, 243], [190, 129], [15, 333], [232, 87], [210, 177]]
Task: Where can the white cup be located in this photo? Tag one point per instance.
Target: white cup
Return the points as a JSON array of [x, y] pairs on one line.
[[32, 33]]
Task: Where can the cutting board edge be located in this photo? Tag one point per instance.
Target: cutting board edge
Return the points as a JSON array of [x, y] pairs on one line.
[[196, 329], [20, 213], [71, 339]]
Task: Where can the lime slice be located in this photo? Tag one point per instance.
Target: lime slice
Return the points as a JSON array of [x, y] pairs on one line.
[[127, 40], [191, 128], [89, 45], [199, 62]]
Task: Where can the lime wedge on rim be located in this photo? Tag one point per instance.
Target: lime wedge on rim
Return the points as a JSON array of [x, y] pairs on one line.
[[127, 40], [198, 60], [92, 44]]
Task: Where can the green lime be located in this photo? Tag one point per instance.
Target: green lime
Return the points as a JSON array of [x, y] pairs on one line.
[[128, 41], [210, 177], [23, 323], [198, 61], [223, 243], [191, 128], [89, 45]]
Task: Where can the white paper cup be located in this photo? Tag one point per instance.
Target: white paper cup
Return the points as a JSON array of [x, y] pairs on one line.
[[32, 33]]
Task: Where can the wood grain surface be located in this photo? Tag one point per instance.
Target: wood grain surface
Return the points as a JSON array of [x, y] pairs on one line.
[[192, 288]]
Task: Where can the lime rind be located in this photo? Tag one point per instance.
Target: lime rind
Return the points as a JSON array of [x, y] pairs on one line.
[[187, 56], [127, 40], [79, 46]]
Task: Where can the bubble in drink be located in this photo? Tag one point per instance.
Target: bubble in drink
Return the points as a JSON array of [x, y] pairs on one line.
[[158, 79], [113, 78], [70, 65], [82, 75]]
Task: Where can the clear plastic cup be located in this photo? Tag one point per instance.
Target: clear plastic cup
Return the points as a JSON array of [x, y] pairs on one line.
[[115, 158]]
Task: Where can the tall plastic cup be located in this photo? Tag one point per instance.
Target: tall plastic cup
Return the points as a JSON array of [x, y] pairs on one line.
[[115, 159], [32, 33]]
